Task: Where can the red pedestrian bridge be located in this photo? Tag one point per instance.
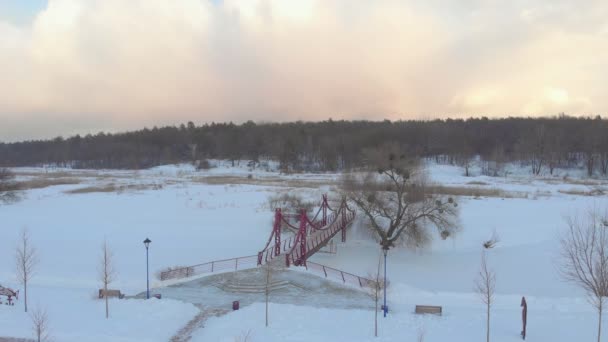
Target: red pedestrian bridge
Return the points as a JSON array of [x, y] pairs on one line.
[[308, 236], [311, 234]]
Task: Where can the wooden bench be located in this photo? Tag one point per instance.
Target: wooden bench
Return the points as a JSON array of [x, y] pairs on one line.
[[9, 294], [111, 294], [428, 309]]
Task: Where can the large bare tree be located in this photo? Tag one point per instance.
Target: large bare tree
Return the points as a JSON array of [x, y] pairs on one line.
[[584, 251], [397, 201], [485, 285], [106, 271], [26, 260]]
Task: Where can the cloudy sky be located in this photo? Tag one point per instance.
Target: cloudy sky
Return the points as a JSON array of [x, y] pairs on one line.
[[80, 66]]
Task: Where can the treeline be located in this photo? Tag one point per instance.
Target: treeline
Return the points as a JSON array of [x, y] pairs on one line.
[[541, 143]]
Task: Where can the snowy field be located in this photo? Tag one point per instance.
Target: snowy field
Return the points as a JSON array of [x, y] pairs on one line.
[[198, 216]]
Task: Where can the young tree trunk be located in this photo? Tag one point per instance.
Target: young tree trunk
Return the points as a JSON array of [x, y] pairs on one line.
[[486, 284], [604, 163], [105, 289], [25, 294], [590, 164], [106, 272], [377, 288], [488, 324], [599, 323]]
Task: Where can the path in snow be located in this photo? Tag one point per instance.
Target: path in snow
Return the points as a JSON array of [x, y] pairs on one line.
[[185, 333]]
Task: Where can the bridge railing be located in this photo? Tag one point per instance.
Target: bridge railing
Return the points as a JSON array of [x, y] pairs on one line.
[[338, 275], [318, 237], [234, 264]]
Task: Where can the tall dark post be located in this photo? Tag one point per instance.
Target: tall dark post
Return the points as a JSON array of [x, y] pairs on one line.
[[524, 316], [385, 308], [147, 244]]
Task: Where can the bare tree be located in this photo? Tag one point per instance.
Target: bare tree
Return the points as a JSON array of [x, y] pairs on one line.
[[106, 271], [465, 160], [375, 287], [26, 260], [555, 148], [40, 323], [464, 153], [397, 201], [538, 149], [485, 285], [604, 163], [493, 165], [590, 159], [584, 251]]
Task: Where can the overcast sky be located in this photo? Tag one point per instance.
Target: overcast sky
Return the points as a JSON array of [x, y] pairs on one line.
[[80, 66]]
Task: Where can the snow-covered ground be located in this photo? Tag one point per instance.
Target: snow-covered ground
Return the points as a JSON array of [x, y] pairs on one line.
[[74, 315], [197, 216], [461, 322]]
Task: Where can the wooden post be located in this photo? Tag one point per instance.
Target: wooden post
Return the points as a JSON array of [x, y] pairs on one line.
[[524, 316], [325, 271], [212, 265]]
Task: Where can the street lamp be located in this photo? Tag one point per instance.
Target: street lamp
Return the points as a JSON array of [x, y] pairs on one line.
[[385, 308], [147, 244]]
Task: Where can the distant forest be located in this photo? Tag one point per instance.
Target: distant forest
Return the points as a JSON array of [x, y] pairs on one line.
[[541, 143]]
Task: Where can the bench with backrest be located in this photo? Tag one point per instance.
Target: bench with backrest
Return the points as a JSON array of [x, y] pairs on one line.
[[111, 294], [9, 294], [429, 309]]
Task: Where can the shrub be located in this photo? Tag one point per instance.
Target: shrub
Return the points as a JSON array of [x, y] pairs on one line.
[[289, 203], [203, 165], [8, 186]]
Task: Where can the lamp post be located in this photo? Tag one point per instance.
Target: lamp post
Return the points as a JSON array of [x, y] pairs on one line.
[[385, 308], [147, 244]]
